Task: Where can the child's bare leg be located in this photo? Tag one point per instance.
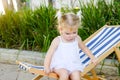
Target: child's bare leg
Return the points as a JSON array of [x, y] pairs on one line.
[[75, 75], [63, 74]]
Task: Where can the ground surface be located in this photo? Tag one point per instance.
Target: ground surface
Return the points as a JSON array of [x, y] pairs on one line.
[[11, 72], [109, 73]]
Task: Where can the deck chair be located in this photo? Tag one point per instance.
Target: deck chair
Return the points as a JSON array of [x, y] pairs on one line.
[[102, 43]]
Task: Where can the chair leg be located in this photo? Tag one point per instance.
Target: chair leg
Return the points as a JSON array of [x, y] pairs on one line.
[[37, 77], [95, 77], [87, 77], [92, 77], [117, 51]]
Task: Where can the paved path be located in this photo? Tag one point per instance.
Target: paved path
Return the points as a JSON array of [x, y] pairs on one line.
[[11, 72]]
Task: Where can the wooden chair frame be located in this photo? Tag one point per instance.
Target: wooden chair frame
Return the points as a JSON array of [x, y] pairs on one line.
[[89, 68]]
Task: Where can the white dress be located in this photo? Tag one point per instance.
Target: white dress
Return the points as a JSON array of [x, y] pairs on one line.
[[67, 56]]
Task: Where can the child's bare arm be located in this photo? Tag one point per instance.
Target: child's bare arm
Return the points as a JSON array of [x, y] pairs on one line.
[[50, 52], [86, 50]]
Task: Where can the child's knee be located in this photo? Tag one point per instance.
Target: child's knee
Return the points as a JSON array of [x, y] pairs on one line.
[[63, 74], [75, 75], [64, 77]]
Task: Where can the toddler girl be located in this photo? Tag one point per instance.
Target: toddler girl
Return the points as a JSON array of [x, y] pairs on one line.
[[63, 54]]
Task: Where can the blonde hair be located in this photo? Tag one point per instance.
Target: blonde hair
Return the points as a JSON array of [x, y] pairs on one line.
[[68, 20]]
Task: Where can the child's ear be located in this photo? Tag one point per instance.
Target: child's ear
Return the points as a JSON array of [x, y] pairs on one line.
[[60, 30]]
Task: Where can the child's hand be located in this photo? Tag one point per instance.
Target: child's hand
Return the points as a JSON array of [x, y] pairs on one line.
[[47, 71], [94, 61]]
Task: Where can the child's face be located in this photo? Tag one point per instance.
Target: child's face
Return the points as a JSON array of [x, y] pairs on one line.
[[69, 34]]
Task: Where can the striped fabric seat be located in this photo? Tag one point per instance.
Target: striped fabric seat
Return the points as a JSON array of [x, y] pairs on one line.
[[102, 43], [27, 66]]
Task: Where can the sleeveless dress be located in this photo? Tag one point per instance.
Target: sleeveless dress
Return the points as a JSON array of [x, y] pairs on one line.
[[67, 56]]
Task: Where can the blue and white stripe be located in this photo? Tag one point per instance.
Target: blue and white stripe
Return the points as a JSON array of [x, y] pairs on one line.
[[101, 43], [28, 66]]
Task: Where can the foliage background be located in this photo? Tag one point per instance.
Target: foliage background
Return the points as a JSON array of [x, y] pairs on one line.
[[34, 30]]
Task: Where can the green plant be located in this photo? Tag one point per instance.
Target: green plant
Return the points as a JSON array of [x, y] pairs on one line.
[[9, 27], [93, 16], [116, 63], [36, 29], [83, 33], [102, 64], [119, 69], [42, 23], [115, 19]]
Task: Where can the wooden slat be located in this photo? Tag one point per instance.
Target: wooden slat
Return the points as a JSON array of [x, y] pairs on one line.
[[94, 75], [18, 62], [117, 51], [103, 56], [37, 77], [41, 72]]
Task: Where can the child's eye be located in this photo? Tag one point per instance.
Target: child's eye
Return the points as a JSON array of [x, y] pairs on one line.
[[67, 33], [74, 32]]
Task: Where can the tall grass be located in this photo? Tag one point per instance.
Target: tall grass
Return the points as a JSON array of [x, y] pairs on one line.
[[115, 19], [96, 16], [34, 30], [9, 27], [93, 16], [42, 24]]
